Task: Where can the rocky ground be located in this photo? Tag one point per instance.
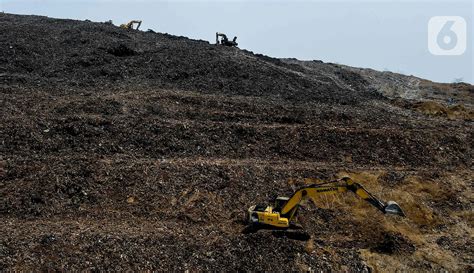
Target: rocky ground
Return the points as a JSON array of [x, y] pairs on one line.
[[123, 149]]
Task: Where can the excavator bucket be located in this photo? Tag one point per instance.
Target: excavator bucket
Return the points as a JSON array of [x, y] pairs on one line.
[[393, 208]]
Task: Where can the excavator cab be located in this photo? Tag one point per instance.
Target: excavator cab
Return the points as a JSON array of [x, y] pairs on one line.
[[280, 202], [266, 214]]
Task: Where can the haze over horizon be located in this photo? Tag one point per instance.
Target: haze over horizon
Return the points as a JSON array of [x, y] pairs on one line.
[[384, 35]]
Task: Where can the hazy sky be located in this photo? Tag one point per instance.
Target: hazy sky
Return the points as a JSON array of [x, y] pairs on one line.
[[384, 35]]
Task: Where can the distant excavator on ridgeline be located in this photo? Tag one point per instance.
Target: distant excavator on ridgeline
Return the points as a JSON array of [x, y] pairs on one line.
[[130, 24], [221, 39]]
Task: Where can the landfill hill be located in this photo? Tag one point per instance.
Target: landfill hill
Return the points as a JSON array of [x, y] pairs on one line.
[[128, 150]]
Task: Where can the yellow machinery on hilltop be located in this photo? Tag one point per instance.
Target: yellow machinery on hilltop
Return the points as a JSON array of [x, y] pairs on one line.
[[130, 24]]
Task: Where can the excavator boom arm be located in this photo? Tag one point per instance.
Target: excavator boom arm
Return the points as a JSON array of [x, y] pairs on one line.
[[346, 184]]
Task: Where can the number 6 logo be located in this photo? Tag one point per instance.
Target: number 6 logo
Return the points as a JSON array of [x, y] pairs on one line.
[[447, 35]]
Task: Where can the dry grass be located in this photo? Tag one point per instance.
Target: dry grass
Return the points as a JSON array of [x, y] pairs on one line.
[[309, 247], [433, 108], [416, 195]]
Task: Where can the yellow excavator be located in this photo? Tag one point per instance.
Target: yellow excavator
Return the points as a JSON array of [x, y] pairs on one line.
[[282, 214], [130, 24]]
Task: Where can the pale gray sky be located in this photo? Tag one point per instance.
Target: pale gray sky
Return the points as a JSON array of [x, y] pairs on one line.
[[384, 35]]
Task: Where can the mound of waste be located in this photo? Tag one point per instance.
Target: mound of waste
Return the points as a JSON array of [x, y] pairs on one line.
[[54, 53]]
